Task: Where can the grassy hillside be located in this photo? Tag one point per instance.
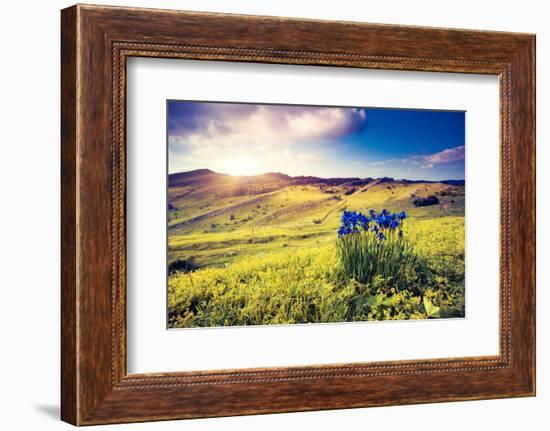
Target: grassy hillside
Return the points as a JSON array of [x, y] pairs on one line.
[[261, 249]]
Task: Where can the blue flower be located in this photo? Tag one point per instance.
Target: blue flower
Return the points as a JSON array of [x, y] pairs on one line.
[[341, 231], [383, 220], [354, 222], [363, 221]]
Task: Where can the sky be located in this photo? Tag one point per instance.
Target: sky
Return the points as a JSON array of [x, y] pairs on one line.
[[251, 139]]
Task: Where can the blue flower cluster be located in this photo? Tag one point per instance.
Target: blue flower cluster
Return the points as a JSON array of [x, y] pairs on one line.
[[380, 224]]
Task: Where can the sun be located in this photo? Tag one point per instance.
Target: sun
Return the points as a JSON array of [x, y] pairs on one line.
[[243, 166]]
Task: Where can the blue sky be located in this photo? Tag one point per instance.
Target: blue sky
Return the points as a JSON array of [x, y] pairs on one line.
[[250, 139]]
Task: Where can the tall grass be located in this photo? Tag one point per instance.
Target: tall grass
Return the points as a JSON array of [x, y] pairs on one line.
[[374, 245], [363, 256]]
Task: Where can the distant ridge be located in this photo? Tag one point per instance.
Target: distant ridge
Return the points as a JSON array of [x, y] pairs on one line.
[[193, 177], [208, 176], [454, 182], [446, 182]]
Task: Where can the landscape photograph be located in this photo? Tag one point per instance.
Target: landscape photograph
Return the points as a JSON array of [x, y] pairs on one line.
[[294, 214]]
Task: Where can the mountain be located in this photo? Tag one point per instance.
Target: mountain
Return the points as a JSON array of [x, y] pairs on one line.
[[453, 182], [275, 180], [198, 176]]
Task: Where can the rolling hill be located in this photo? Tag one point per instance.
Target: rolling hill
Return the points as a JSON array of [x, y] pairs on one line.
[[215, 218]]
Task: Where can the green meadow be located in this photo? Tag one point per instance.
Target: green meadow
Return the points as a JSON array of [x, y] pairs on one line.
[[262, 250]]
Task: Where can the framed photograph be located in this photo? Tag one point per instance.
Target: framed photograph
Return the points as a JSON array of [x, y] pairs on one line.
[[266, 215], [286, 229]]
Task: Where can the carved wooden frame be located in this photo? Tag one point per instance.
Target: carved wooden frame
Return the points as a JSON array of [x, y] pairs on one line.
[[96, 41]]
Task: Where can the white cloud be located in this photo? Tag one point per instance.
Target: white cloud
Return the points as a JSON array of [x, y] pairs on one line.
[[448, 155]]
